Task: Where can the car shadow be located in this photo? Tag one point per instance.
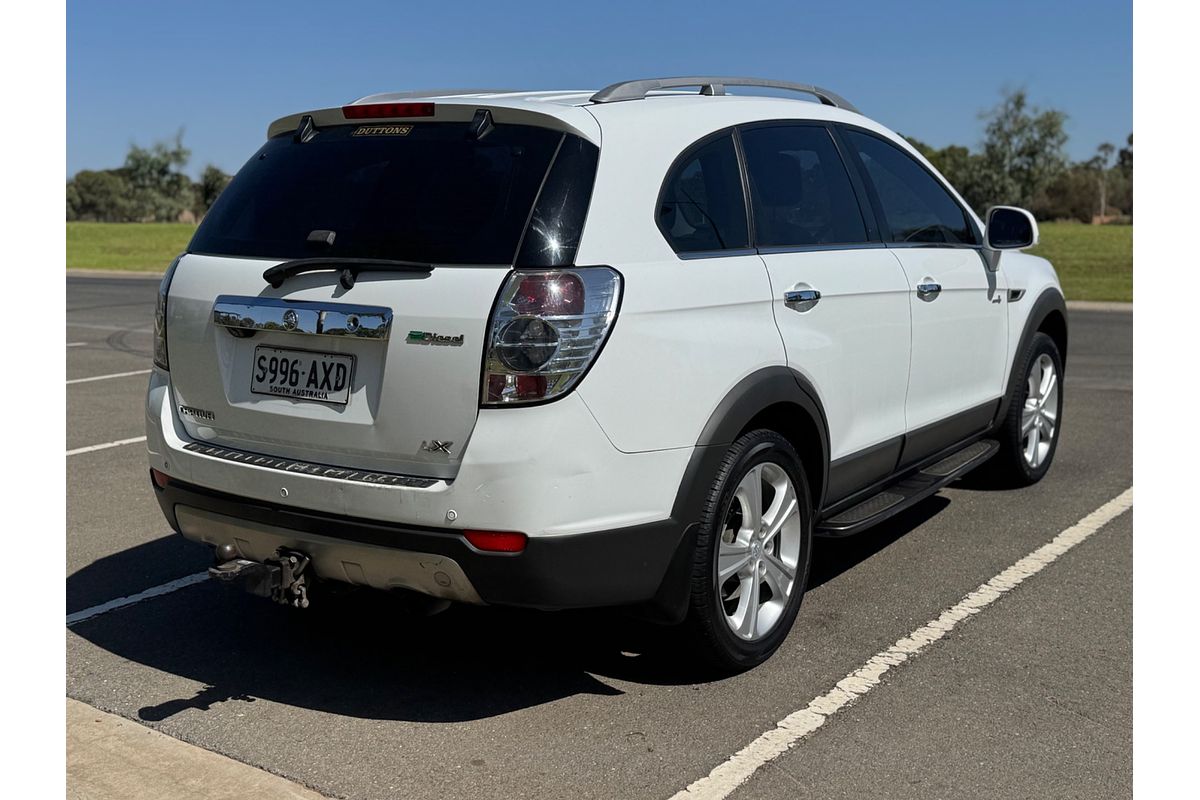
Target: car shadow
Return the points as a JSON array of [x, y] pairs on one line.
[[833, 555], [365, 654], [130, 571]]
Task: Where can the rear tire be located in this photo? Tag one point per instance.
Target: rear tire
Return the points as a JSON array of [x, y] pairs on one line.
[[751, 560], [1030, 432]]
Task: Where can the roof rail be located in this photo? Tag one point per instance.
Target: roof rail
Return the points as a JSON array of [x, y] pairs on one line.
[[389, 96], [637, 90]]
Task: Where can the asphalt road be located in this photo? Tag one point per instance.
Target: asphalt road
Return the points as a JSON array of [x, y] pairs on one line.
[[1029, 698]]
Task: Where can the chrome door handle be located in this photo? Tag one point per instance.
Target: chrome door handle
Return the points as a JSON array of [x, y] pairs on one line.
[[928, 291], [801, 299]]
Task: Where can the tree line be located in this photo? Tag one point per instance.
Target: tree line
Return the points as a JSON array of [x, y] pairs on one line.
[[1021, 162], [149, 187]]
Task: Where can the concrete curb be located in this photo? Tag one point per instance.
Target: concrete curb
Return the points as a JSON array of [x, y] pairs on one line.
[[111, 758], [1098, 305]]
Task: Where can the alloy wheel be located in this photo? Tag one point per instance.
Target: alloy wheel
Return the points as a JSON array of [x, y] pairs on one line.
[[1039, 417], [759, 551]]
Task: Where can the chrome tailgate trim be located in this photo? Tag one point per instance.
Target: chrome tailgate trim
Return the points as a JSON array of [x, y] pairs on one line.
[[244, 314]]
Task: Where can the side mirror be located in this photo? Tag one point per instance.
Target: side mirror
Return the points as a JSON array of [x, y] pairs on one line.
[[1010, 228]]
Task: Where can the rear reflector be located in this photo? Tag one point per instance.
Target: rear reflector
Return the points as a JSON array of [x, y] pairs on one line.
[[497, 541], [388, 110], [161, 479]]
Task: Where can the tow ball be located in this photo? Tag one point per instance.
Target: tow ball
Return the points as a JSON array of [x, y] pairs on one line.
[[283, 578]]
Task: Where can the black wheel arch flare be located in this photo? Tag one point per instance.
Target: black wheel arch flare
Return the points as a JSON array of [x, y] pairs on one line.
[[777, 397], [1048, 314]]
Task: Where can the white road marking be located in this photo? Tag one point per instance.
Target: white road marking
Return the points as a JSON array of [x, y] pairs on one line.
[[94, 327], [121, 602], [76, 344], [106, 377], [735, 771], [94, 447]]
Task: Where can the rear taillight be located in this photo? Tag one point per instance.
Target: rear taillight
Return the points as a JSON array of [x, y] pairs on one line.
[[545, 331], [387, 110], [160, 318]]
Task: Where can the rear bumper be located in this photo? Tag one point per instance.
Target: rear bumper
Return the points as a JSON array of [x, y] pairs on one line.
[[605, 568], [547, 471]]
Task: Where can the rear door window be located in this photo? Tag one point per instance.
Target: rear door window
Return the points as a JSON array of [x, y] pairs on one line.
[[914, 205], [800, 191], [703, 207], [424, 192]]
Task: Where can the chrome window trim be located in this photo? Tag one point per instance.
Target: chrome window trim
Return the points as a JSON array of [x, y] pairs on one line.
[[244, 314]]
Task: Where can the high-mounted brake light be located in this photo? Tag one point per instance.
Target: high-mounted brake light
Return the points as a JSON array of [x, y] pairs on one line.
[[497, 541], [387, 110], [545, 331]]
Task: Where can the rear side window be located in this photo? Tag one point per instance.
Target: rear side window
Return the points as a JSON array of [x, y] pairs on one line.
[[915, 206], [421, 192], [555, 228], [799, 188], [702, 206]]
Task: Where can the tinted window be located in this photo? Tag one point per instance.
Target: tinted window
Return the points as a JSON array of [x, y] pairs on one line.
[[431, 193], [557, 222], [915, 206], [799, 188], [703, 207]]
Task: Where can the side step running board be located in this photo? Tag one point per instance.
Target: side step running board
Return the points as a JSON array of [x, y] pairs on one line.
[[908, 491]]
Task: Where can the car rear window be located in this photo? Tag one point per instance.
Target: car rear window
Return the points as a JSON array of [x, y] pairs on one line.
[[425, 192]]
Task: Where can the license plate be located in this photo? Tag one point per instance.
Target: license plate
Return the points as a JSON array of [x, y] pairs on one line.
[[302, 374]]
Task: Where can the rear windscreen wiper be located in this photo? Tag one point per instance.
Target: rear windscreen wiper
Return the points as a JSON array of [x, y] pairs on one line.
[[350, 268]]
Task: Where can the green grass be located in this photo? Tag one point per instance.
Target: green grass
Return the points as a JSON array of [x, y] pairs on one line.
[[1094, 262], [132, 246]]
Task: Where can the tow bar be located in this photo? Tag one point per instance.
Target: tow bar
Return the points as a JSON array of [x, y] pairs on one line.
[[282, 578]]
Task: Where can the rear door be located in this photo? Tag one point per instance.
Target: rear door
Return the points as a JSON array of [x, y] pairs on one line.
[[959, 323], [841, 299], [383, 374]]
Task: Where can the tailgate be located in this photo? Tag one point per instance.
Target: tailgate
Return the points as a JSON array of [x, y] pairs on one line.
[[394, 390]]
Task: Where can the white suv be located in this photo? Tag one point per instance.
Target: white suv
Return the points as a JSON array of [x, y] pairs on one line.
[[563, 349]]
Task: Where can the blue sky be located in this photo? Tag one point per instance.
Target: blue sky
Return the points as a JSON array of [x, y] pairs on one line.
[[139, 71]]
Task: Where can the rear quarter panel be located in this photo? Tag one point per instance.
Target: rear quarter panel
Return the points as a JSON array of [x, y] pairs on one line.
[[688, 329]]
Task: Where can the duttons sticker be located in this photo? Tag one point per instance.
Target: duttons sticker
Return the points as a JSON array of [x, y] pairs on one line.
[[382, 130]]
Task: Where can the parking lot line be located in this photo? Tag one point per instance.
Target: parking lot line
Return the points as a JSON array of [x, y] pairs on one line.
[[739, 767], [76, 344], [93, 447], [106, 377], [119, 328], [121, 602]]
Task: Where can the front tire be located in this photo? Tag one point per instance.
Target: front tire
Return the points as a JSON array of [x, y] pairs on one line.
[[751, 561], [1030, 432]]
